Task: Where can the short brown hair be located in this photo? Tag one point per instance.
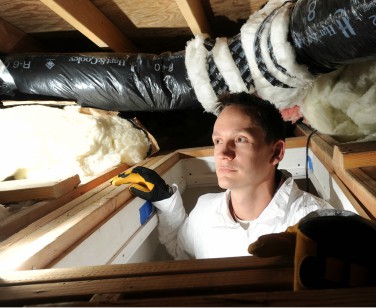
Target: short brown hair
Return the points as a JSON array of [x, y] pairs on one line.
[[266, 115]]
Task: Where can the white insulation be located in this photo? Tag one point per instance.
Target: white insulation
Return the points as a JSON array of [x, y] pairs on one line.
[[341, 103], [52, 143]]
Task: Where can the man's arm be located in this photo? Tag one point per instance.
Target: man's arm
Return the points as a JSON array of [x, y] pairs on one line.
[[147, 184], [173, 219]]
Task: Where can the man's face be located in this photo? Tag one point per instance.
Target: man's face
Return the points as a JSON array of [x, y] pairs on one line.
[[241, 155]]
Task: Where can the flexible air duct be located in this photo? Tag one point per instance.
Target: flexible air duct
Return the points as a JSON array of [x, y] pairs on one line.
[[329, 34], [278, 54]]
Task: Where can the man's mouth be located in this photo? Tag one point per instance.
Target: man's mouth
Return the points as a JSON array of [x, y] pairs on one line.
[[226, 169]]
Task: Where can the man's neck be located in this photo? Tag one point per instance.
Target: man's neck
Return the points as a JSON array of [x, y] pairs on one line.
[[249, 203]]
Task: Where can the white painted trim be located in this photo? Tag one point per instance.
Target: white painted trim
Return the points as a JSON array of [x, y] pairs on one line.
[[130, 247], [104, 242], [294, 162], [327, 187]]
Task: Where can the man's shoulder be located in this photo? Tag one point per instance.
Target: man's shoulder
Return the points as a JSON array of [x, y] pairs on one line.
[[301, 197], [209, 209], [211, 197], [210, 202]]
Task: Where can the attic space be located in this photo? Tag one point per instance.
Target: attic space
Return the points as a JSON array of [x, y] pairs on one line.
[[180, 129], [167, 62]]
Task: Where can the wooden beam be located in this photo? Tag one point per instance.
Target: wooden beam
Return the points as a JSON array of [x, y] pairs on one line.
[[214, 281], [14, 40], [90, 21], [350, 196], [219, 282], [164, 163], [362, 186], [46, 102], [196, 152], [194, 14], [345, 297], [30, 214], [21, 190], [148, 269], [72, 217], [37, 249], [360, 183], [355, 155], [296, 142], [27, 215]]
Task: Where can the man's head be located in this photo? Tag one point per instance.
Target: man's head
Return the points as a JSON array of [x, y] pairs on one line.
[[264, 113], [248, 138]]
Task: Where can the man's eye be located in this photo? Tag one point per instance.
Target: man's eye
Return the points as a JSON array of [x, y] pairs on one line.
[[217, 141], [240, 139]]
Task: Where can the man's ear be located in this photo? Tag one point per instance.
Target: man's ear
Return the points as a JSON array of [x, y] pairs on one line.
[[279, 151]]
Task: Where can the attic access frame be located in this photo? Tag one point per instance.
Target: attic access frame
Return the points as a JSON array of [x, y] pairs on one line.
[[217, 282], [84, 213]]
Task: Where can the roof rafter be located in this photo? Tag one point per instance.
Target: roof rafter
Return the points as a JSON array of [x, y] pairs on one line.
[[194, 14], [91, 22]]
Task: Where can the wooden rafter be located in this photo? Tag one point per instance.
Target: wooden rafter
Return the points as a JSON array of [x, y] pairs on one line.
[[90, 21], [194, 14]]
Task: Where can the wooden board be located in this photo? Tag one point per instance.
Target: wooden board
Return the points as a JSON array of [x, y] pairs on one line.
[[21, 190], [355, 155], [27, 215], [352, 163], [237, 281], [144, 280]]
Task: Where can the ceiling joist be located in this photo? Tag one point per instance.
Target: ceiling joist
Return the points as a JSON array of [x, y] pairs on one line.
[[91, 22], [194, 14]]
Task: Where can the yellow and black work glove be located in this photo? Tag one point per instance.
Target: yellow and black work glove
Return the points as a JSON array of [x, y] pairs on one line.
[[331, 249], [145, 183], [275, 244]]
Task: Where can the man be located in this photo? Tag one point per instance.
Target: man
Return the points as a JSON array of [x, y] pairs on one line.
[[249, 143]]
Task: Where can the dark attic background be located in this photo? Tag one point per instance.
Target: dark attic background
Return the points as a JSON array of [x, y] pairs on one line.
[[182, 128], [177, 129]]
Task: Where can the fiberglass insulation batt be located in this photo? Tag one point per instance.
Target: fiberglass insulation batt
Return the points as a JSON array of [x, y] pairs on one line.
[[51, 143]]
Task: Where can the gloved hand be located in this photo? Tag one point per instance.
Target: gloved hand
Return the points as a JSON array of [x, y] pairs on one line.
[[331, 249], [145, 183], [275, 244]]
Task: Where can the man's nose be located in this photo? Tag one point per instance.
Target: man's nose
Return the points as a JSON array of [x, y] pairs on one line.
[[227, 150]]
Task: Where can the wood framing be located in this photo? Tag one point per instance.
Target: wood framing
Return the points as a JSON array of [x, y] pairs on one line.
[[195, 16], [78, 214], [206, 282], [32, 213], [355, 155], [353, 163], [85, 17]]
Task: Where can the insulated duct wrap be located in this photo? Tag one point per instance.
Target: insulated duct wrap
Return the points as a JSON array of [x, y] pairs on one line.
[[329, 34], [260, 59], [137, 82], [278, 54]]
